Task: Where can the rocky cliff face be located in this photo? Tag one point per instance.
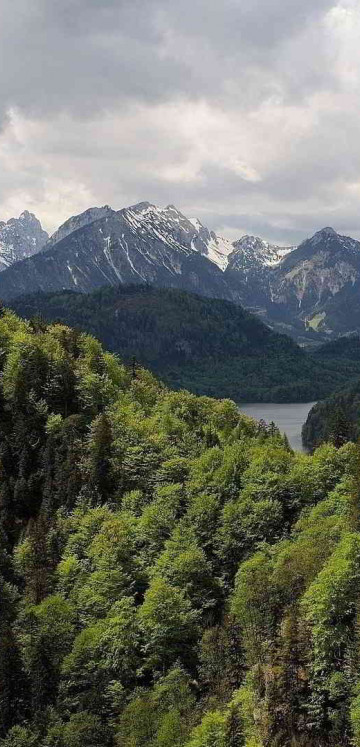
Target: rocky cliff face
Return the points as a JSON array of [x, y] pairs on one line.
[[301, 290], [250, 268], [20, 237], [319, 271], [76, 222]]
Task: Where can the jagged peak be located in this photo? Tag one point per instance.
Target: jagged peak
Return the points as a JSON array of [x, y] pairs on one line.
[[250, 240], [24, 217], [139, 207], [327, 231], [328, 235]]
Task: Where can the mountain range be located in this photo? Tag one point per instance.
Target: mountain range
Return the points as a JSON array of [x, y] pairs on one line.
[[311, 291]]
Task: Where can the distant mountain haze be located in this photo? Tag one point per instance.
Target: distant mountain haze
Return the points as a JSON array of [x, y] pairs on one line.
[[310, 292]]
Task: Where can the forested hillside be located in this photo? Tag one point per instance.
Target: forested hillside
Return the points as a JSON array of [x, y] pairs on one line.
[[336, 418], [347, 348], [172, 574], [209, 346]]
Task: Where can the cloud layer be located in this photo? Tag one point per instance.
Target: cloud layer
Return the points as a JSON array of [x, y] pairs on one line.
[[242, 112]]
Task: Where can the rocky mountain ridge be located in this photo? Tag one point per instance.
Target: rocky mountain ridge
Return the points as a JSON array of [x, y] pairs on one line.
[[315, 277], [19, 238], [300, 290], [139, 244]]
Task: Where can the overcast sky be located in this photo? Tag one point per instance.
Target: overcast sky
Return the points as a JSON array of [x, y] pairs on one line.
[[244, 113]]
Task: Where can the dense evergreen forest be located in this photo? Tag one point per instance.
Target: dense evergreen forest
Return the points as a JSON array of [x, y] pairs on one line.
[[336, 418], [172, 574], [347, 348], [208, 346]]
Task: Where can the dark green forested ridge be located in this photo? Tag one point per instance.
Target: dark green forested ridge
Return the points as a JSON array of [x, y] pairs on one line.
[[347, 347], [209, 346], [172, 574]]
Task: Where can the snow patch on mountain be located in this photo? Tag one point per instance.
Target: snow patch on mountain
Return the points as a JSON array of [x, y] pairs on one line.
[[251, 253]]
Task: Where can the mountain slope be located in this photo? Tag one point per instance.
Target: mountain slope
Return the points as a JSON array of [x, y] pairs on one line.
[[314, 274], [76, 222], [249, 270], [135, 245], [344, 348], [336, 418], [209, 346], [307, 291], [20, 237], [340, 313]]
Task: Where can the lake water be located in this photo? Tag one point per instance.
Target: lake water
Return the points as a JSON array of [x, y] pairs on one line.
[[289, 418]]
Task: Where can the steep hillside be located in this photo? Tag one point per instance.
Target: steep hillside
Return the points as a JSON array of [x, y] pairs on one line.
[[208, 346], [249, 270], [339, 314], [335, 419], [171, 573], [76, 222]]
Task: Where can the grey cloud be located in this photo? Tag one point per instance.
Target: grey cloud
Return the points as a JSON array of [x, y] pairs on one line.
[[234, 110], [79, 55]]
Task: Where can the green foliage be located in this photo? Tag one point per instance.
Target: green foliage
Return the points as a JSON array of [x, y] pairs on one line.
[[20, 736], [169, 625], [83, 728], [210, 733], [336, 418], [330, 609], [171, 573]]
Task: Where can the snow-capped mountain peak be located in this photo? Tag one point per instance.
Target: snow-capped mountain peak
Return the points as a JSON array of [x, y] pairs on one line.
[[166, 224], [19, 238], [252, 251], [139, 244], [174, 228]]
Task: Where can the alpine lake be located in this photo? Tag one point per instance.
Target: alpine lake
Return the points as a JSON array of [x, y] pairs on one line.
[[289, 418]]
